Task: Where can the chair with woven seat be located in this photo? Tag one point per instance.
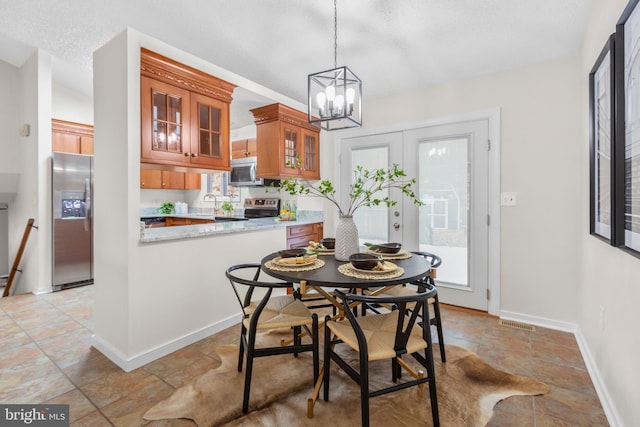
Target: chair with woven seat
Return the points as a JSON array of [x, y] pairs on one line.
[[436, 319], [382, 336], [263, 313]]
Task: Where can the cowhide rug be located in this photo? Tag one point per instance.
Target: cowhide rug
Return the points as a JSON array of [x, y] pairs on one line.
[[468, 389]]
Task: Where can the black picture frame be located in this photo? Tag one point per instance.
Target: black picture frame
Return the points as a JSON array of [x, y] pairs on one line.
[[627, 150], [602, 132]]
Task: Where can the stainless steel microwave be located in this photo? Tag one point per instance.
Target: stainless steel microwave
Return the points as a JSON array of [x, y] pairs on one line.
[[243, 173]]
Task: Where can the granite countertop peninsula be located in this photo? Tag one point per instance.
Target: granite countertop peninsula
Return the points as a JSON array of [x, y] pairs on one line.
[[159, 234]]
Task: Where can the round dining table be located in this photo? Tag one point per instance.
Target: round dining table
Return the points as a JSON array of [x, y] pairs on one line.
[[328, 276], [415, 267]]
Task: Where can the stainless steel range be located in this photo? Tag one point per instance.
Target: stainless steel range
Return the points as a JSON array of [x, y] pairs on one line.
[[261, 208]]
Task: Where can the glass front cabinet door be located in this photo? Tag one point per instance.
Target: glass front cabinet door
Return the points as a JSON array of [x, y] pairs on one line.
[[184, 115], [165, 110]]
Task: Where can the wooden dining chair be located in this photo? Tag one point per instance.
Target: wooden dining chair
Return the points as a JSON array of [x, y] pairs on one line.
[[382, 336], [267, 313], [429, 282]]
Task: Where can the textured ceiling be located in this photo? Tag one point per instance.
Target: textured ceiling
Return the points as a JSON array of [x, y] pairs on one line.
[[392, 45]]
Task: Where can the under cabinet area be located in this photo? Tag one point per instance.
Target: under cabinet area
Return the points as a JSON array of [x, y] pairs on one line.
[[169, 180], [300, 235], [242, 148], [184, 115], [287, 145]]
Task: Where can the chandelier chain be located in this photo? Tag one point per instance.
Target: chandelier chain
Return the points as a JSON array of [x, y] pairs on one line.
[[335, 33]]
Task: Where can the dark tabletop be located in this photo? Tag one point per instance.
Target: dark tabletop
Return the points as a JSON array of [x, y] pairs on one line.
[[328, 275]]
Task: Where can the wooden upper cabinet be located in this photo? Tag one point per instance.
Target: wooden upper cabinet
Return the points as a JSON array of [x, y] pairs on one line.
[[184, 115], [169, 180], [287, 145], [70, 137], [242, 148], [192, 181]]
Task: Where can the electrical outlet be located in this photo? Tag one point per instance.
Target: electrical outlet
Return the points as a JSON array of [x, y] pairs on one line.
[[602, 318], [508, 199]]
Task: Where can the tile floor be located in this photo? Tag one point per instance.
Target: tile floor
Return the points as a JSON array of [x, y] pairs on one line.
[[46, 357]]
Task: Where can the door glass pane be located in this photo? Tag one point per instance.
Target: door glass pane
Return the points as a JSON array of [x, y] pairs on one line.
[[290, 140], [309, 152], [174, 110], [215, 120], [173, 138], [443, 187], [159, 106], [205, 143], [215, 145], [204, 117], [372, 222], [159, 136]]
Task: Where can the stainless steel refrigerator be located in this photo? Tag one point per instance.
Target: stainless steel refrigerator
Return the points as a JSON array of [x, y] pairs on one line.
[[72, 189]]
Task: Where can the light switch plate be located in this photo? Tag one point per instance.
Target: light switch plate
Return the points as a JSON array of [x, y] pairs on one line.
[[508, 199]]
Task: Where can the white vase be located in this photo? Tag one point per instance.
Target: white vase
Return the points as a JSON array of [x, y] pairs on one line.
[[347, 242]]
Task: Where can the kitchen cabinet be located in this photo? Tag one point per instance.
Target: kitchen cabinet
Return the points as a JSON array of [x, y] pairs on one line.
[[184, 115], [169, 180], [287, 145], [173, 221], [70, 137], [300, 235], [242, 148]]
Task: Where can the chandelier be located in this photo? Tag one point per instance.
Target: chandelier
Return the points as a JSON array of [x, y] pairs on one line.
[[335, 95]]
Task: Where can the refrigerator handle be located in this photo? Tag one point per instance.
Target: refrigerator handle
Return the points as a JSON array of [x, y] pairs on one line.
[[87, 204]]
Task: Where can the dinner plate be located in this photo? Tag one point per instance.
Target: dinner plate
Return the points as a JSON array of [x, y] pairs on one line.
[[400, 253], [294, 262], [390, 267]]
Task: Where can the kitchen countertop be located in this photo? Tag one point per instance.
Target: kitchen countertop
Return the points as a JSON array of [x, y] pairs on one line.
[[148, 235]]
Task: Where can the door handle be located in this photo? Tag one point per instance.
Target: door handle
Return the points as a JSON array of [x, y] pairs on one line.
[[396, 225]]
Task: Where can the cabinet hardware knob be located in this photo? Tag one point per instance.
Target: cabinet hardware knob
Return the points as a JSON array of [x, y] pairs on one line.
[[194, 154], [186, 154]]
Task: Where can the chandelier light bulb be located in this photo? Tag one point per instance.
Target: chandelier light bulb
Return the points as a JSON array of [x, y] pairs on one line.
[[339, 103], [331, 93], [321, 98], [351, 95]]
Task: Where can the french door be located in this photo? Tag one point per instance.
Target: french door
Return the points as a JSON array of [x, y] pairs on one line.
[[451, 165]]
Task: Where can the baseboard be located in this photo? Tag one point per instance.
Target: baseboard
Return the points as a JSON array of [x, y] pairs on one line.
[[601, 389], [129, 364]]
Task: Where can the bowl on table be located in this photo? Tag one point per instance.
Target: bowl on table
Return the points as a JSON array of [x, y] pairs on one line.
[[363, 261], [389, 248], [328, 242], [290, 253]]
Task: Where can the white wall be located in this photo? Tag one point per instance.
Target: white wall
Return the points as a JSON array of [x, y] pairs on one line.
[[609, 277], [71, 105], [539, 144], [152, 298], [10, 149], [33, 165]]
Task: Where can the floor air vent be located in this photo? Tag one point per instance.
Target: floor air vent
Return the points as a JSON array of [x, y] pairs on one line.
[[517, 325]]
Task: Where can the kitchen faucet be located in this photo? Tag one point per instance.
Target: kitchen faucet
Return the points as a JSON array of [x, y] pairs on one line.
[[207, 197]]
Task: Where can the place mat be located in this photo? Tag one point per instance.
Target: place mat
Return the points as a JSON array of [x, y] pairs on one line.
[[351, 271], [320, 251], [401, 254], [297, 261], [277, 267]]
